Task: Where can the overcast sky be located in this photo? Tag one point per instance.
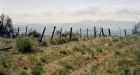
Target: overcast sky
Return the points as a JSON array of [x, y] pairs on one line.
[[58, 11]]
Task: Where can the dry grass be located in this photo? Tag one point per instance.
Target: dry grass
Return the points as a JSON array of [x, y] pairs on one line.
[[73, 56]]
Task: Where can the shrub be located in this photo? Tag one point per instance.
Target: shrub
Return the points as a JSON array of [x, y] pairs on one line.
[[75, 39], [44, 43], [37, 70], [25, 44], [34, 34]]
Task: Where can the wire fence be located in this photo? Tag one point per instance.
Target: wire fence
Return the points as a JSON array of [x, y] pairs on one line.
[[49, 30]]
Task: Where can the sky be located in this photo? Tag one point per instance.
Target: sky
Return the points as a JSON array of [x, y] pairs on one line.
[[67, 11]]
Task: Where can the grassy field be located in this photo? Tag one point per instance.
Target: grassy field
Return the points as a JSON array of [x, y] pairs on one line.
[[93, 56]]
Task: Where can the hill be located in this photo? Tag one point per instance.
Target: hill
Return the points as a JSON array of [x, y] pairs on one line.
[[94, 56]]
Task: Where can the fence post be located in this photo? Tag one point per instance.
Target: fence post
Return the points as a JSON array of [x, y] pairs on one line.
[[18, 31], [70, 33], [133, 32], [87, 32], [125, 32], [26, 30], [109, 31], [95, 31], [61, 33], [77, 32], [102, 31], [42, 35], [80, 32], [53, 32], [120, 31]]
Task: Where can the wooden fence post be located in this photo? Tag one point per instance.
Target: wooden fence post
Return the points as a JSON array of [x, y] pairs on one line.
[[109, 32], [26, 30], [18, 31], [95, 31], [42, 35], [61, 33], [77, 32], [133, 32], [102, 31], [70, 33], [125, 32], [120, 31], [87, 32], [53, 32], [80, 32]]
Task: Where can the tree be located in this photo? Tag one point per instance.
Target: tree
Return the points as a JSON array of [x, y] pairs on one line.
[[6, 27]]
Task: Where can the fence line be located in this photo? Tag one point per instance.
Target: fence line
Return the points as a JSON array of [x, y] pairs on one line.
[[82, 32]]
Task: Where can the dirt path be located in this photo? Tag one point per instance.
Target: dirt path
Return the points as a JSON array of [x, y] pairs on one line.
[[86, 68]]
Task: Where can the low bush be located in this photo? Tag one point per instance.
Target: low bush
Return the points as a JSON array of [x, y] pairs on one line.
[[25, 44], [75, 39], [34, 34], [44, 43]]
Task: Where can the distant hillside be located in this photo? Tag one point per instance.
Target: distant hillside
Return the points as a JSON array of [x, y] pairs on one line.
[[113, 25]]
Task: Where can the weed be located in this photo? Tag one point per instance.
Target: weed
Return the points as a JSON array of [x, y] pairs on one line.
[[61, 72], [66, 64], [23, 73], [43, 58], [37, 70], [99, 50], [65, 52]]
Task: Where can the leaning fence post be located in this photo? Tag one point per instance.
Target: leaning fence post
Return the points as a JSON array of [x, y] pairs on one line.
[[53, 32], [125, 32], [95, 32], [42, 35], [70, 33], [87, 32], [109, 32], [61, 33], [26, 30], [80, 32]]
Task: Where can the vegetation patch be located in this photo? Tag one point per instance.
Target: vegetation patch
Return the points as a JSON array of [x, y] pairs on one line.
[[25, 44], [37, 70], [66, 64]]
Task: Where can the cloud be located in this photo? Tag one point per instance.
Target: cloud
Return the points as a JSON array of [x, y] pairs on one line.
[[89, 13], [126, 11]]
